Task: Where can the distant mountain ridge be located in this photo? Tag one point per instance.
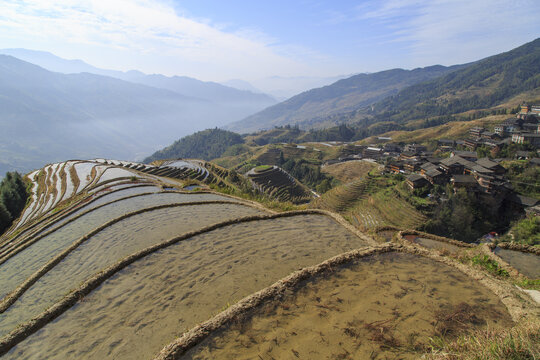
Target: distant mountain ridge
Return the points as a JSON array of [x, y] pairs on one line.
[[342, 96], [47, 116], [181, 84]]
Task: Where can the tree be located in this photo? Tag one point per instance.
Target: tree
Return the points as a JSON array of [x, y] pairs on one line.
[[5, 218], [13, 197]]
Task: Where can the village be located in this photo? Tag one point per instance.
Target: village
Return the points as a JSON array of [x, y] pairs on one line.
[[464, 163]]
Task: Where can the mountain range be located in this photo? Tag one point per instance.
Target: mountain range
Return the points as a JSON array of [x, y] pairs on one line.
[[79, 111], [47, 116], [433, 94], [342, 96]]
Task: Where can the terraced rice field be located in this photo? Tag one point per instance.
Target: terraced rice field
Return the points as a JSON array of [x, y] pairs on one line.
[[278, 184], [527, 264], [382, 307], [344, 197], [122, 269], [147, 304], [26, 262], [111, 245]]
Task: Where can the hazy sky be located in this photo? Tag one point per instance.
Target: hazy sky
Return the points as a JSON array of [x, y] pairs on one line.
[[226, 39]]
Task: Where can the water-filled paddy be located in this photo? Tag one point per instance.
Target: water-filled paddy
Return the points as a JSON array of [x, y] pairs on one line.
[[111, 245], [124, 192], [152, 301], [19, 267], [378, 308], [525, 263], [113, 173]]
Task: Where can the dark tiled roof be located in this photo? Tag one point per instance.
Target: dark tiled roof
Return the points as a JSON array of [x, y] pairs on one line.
[[485, 162], [464, 179], [433, 172], [415, 177]]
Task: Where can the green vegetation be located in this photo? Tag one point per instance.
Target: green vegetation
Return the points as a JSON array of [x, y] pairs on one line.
[[526, 231], [262, 168], [13, 195], [463, 217], [524, 178], [490, 265], [207, 144], [308, 174]]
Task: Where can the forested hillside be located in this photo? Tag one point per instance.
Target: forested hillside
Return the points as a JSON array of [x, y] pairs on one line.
[[308, 108], [207, 144], [484, 84]]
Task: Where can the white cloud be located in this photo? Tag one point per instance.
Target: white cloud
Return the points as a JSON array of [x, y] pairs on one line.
[[455, 31], [148, 34]]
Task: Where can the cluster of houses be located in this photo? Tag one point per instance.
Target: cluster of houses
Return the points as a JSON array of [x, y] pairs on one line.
[[463, 168]]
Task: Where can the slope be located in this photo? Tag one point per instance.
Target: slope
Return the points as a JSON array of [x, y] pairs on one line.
[[342, 96], [485, 84]]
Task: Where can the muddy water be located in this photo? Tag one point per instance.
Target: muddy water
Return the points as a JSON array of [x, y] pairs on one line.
[[25, 263], [386, 234], [437, 245], [111, 245], [148, 304], [379, 308], [525, 263]]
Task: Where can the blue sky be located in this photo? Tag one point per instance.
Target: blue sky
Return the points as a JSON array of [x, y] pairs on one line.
[[221, 40]]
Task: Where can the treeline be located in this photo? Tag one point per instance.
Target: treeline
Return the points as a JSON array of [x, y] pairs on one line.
[[13, 195], [206, 144], [308, 174], [467, 216]]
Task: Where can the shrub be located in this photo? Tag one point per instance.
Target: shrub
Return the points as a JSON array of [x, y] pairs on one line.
[[490, 265]]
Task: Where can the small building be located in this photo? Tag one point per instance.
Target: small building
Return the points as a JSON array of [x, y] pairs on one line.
[[395, 166], [415, 148], [530, 138], [525, 109], [408, 155], [497, 168], [372, 152], [508, 127], [467, 155], [446, 142], [425, 167], [476, 132], [488, 135], [415, 181], [390, 147], [434, 176], [412, 165], [463, 181], [472, 144]]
